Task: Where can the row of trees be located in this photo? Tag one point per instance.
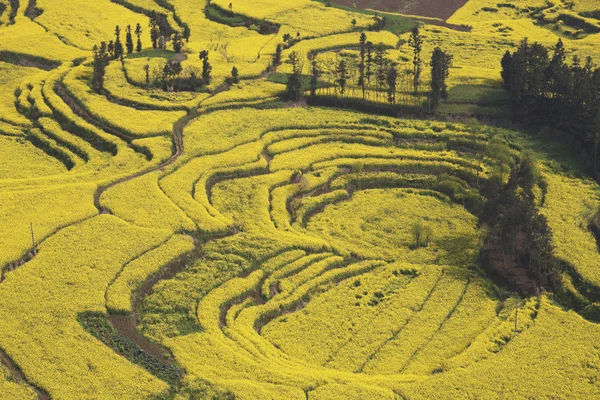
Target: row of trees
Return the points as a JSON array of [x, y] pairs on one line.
[[172, 77], [519, 243], [114, 48], [547, 90], [370, 76]]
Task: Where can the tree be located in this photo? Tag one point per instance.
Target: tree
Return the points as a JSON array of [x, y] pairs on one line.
[[177, 43], [392, 77], [100, 54], [417, 231], [555, 71], [379, 22], [171, 71], [129, 40], [416, 42], [147, 71], [380, 62], [187, 33], [426, 235], [277, 56], [440, 69], [506, 72], [362, 63], [154, 30], [315, 74], [369, 63], [353, 22], [593, 137], [342, 76], [206, 67], [193, 74], [138, 33], [110, 49], [498, 150], [294, 83], [235, 76], [118, 44]]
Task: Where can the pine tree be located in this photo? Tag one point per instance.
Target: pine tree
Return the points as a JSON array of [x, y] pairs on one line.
[[277, 56], [416, 42], [154, 30], [294, 83], [440, 69], [342, 76], [147, 71], [110, 49], [187, 33], [362, 81], [118, 44], [392, 78], [100, 54], [129, 40], [138, 33], [235, 76], [506, 72], [177, 43], [380, 62], [555, 71], [206, 67], [369, 64]]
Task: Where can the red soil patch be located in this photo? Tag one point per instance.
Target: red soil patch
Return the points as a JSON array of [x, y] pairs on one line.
[[442, 9]]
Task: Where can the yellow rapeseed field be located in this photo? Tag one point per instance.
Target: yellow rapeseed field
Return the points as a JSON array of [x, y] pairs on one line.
[[232, 244]]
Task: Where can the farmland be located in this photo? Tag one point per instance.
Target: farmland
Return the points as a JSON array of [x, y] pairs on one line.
[[216, 200]]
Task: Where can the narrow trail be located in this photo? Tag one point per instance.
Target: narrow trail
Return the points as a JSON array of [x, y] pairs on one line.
[[178, 128], [19, 376]]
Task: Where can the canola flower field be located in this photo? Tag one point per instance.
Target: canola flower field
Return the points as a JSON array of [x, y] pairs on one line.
[[226, 244]]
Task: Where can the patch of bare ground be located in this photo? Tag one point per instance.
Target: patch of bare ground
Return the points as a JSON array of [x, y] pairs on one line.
[[442, 9]]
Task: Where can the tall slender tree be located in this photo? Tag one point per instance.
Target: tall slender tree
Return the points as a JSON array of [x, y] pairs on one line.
[[342, 76], [277, 55], [129, 40], [392, 78], [235, 75], [380, 62], [206, 67], [118, 44], [138, 33], [100, 54], [177, 43], [362, 81], [294, 83], [440, 69], [416, 43], [187, 33], [369, 62], [154, 30]]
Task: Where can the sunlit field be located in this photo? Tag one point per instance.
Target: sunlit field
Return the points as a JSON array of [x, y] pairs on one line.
[[265, 199]]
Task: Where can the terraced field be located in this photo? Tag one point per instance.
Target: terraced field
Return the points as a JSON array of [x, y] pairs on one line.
[[227, 244]]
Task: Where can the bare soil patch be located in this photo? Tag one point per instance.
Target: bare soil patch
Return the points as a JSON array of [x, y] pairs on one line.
[[442, 9]]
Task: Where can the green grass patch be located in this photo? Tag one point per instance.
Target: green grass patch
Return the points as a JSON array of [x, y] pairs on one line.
[[396, 23]]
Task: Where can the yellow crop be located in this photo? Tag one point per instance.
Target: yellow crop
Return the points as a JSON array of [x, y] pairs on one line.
[[120, 292], [137, 123], [270, 247]]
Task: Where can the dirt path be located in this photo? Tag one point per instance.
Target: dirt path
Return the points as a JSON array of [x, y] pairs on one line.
[[178, 128], [19, 376]]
